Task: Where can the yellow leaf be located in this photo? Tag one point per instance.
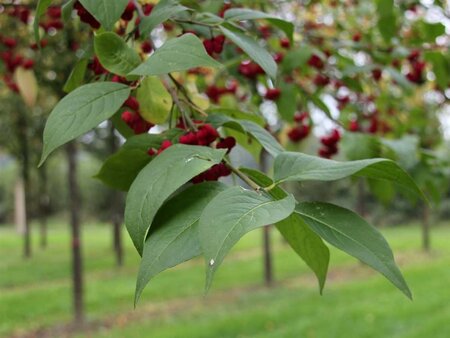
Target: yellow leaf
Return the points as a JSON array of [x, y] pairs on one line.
[[28, 87], [154, 100]]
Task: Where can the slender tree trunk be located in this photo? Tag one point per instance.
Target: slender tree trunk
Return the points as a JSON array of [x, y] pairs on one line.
[[77, 261], [426, 245], [116, 207], [266, 240], [43, 204], [22, 133], [267, 250]]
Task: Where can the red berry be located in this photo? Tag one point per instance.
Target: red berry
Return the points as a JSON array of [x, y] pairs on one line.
[[209, 46], [316, 62], [298, 133], [189, 138], [9, 42], [285, 43], [164, 145], [146, 47], [218, 43], [272, 94], [147, 8], [353, 126], [132, 103], [356, 37], [28, 64], [226, 143], [54, 12], [376, 73], [321, 80], [129, 11]]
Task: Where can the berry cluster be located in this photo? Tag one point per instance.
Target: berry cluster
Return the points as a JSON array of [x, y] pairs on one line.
[[52, 19], [329, 144], [250, 69], [215, 92], [415, 74], [272, 94], [214, 45], [12, 60], [20, 12], [205, 135], [133, 119], [302, 128], [85, 16]]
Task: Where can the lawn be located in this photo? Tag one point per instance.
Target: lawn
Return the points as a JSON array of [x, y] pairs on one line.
[[35, 294]]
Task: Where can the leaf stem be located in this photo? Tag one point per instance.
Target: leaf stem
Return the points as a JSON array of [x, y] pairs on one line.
[[243, 177]]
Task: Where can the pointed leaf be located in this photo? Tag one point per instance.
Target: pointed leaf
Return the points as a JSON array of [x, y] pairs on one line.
[[121, 169], [255, 130], [290, 166], [155, 101], [164, 10], [28, 86], [352, 234], [260, 55], [176, 55], [41, 8], [107, 12], [80, 111], [305, 242], [114, 54], [241, 14], [76, 77], [171, 169], [232, 214], [173, 238]]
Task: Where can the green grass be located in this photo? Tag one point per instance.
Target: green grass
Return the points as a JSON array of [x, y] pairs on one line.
[[357, 303]]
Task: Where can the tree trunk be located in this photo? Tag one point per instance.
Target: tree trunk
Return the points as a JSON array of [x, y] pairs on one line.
[[44, 201], [77, 262], [22, 133], [116, 207], [426, 245], [267, 248]]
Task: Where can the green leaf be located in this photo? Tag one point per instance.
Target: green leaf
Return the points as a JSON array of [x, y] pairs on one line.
[[114, 54], [405, 150], [254, 51], [106, 12], [176, 55], [66, 10], [295, 58], [350, 233], [399, 78], [154, 99], [305, 242], [173, 238], [80, 111], [41, 9], [171, 169], [76, 77], [256, 131], [287, 103], [359, 146], [441, 68], [121, 169], [241, 14], [164, 10], [290, 166], [387, 21], [230, 215]]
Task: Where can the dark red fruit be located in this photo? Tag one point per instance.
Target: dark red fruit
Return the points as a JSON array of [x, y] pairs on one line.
[[272, 94]]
